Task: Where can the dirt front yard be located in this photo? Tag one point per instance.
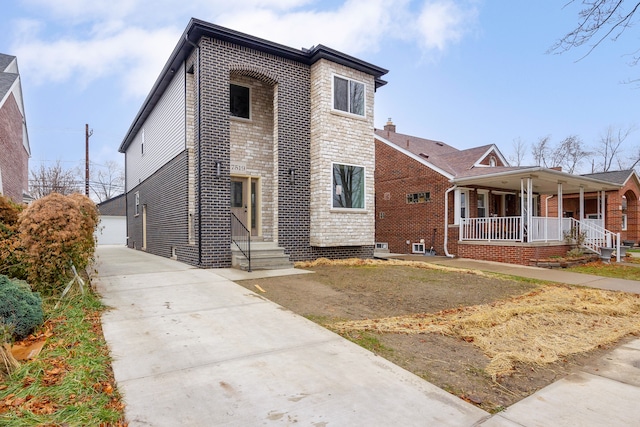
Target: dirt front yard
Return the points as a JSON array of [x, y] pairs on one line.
[[334, 295]]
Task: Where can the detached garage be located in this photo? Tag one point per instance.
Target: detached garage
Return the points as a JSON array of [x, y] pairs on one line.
[[112, 229]]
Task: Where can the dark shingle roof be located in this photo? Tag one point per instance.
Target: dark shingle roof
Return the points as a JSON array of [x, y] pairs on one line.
[[445, 157], [5, 60], [6, 81], [616, 177]]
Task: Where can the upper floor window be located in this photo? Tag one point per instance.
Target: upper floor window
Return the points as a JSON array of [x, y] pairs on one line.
[[348, 95], [348, 186], [240, 101]]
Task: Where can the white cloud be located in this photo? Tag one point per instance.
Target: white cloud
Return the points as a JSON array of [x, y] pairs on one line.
[[122, 38], [127, 53], [443, 22]]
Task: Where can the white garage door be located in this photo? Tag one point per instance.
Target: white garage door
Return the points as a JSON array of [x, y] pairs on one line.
[[112, 230]]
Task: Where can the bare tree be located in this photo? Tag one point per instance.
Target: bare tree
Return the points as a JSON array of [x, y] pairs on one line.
[[53, 179], [598, 21], [540, 151], [609, 149], [107, 181], [519, 152], [568, 154]]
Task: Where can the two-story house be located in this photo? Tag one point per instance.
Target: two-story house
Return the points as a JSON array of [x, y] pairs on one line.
[[240, 132], [14, 140]]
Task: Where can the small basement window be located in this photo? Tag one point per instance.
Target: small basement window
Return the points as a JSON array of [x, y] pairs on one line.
[[380, 245], [417, 248]]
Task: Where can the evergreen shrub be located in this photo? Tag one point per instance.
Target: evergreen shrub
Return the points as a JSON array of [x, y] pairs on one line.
[[20, 309]]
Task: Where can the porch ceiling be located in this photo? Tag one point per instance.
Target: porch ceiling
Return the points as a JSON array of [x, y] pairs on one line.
[[545, 181]]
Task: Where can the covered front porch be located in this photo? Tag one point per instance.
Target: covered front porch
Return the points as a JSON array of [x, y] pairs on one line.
[[503, 216]]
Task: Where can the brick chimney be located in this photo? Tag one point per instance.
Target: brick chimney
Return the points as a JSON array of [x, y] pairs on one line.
[[390, 127]]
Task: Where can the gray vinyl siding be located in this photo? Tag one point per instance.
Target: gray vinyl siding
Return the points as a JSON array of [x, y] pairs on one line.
[[164, 134]]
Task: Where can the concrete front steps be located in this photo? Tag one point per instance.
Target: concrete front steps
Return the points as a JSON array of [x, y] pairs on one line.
[[264, 256]]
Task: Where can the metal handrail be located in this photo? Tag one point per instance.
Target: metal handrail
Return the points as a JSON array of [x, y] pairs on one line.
[[241, 237]]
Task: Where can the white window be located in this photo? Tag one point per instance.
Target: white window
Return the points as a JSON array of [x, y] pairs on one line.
[[461, 204], [142, 144], [348, 95], [383, 246], [482, 203], [417, 248], [624, 221], [348, 186], [240, 101], [492, 162], [137, 208]]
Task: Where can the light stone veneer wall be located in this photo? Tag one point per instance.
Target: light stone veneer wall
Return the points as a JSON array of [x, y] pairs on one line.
[[252, 144], [341, 138]]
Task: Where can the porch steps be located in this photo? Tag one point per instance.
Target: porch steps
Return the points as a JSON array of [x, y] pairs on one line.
[[264, 256]]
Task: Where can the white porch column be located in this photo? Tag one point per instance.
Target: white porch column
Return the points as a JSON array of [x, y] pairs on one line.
[[560, 208], [604, 208], [581, 203]]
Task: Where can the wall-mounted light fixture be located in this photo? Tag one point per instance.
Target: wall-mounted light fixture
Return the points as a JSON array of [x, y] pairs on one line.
[[218, 167], [292, 176]]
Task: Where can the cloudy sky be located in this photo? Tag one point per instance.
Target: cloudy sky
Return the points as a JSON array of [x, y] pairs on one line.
[[466, 72]]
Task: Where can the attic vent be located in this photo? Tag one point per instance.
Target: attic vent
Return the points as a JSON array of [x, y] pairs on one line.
[[425, 155], [439, 144]]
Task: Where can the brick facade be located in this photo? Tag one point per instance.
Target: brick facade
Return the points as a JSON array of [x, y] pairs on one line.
[[397, 221], [14, 161], [514, 253], [165, 197], [338, 137]]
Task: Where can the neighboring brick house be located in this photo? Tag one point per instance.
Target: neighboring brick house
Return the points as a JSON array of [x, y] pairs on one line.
[[14, 141], [467, 203], [278, 137], [620, 211]]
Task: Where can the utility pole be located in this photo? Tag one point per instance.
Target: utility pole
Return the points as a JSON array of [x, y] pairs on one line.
[[87, 134]]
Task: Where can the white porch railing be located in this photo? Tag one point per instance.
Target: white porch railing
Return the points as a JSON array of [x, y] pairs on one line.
[[541, 229], [505, 228]]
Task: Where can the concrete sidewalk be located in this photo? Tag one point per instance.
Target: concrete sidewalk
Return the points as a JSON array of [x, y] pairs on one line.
[[192, 348]]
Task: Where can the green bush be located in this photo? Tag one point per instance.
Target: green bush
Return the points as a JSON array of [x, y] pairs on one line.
[[20, 309]]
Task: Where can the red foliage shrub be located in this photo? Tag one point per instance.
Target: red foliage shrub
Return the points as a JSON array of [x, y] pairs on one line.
[[57, 231], [10, 247]]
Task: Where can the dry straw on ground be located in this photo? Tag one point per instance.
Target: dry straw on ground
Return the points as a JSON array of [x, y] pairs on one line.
[[356, 262], [536, 328]]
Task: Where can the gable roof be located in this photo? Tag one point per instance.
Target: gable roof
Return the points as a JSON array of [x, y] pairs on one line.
[[10, 83], [441, 156], [617, 177], [5, 61], [196, 29]]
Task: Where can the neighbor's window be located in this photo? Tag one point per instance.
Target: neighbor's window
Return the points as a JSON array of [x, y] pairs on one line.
[[348, 95], [348, 186], [482, 203], [240, 101], [137, 208]]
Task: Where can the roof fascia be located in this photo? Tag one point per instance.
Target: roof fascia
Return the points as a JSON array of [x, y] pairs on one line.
[[536, 170], [413, 156]]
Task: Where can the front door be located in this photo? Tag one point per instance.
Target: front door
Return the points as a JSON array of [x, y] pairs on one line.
[[245, 202]]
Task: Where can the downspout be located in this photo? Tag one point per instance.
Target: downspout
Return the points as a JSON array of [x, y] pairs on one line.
[[197, 82], [446, 220]]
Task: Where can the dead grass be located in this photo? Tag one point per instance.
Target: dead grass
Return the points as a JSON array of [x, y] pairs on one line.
[[358, 262], [539, 327]]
